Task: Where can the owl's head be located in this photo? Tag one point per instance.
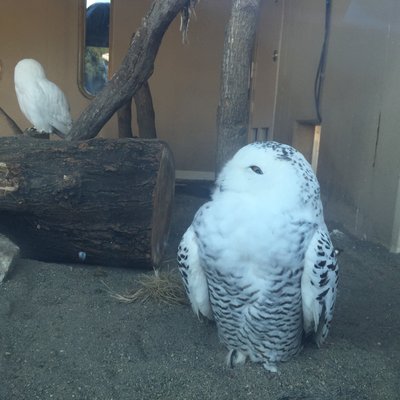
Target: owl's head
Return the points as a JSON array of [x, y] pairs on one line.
[[28, 69], [266, 168]]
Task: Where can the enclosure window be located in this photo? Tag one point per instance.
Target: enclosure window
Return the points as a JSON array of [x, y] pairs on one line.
[[95, 45]]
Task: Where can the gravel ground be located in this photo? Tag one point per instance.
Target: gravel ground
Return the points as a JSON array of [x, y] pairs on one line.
[[62, 336]]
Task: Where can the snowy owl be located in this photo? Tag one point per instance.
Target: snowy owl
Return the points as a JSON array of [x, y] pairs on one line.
[[41, 101], [258, 258]]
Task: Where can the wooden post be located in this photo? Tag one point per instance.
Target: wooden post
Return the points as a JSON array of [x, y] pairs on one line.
[[145, 115], [234, 103], [103, 201], [145, 112], [125, 120]]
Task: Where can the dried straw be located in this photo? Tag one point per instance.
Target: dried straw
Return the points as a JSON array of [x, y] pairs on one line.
[[161, 286]]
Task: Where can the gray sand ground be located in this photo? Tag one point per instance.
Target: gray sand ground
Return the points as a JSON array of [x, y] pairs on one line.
[[63, 337]]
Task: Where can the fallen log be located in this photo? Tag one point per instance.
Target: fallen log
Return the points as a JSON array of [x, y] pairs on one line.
[[102, 201]]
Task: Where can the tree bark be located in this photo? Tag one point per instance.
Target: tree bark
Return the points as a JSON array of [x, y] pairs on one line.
[[104, 201], [134, 71], [145, 113], [125, 120], [234, 104]]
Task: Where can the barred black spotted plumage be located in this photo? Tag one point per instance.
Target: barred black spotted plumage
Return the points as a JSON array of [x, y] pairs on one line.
[[258, 257]]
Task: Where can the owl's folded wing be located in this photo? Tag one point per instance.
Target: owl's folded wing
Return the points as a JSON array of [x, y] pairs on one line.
[[193, 275], [319, 285]]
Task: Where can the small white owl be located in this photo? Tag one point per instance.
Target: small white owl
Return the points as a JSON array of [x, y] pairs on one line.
[[258, 257], [41, 101]]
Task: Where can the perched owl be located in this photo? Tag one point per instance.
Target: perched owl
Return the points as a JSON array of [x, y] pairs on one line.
[[41, 101], [258, 257]]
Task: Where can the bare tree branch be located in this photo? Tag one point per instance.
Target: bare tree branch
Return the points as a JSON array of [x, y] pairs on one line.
[[135, 69], [10, 122]]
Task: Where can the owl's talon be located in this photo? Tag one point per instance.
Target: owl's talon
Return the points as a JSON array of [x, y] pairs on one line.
[[270, 367]]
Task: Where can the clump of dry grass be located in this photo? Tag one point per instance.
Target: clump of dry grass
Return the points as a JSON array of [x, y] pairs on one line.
[[161, 287]]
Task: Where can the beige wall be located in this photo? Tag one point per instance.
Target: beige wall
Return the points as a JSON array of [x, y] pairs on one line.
[[184, 85], [266, 66], [47, 31], [359, 161], [185, 82], [361, 104], [299, 55]]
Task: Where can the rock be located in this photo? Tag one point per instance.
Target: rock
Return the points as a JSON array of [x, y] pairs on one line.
[[9, 252]]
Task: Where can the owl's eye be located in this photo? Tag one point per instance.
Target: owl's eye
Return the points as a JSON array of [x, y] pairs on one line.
[[256, 169]]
